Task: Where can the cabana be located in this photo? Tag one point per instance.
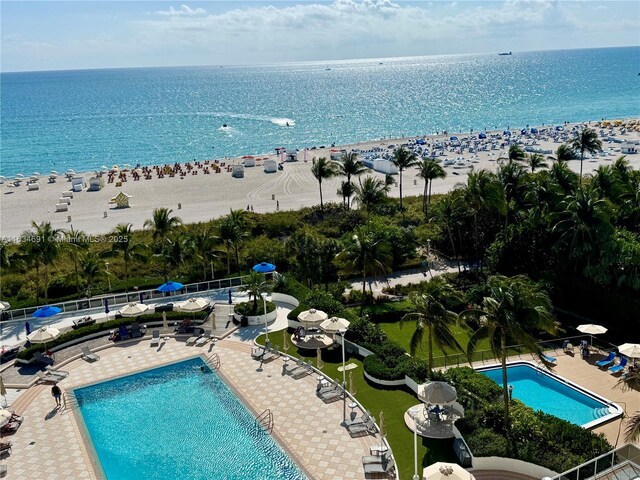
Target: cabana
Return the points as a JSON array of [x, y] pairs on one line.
[[121, 200]]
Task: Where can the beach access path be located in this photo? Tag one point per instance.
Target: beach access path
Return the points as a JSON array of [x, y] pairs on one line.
[[196, 198]]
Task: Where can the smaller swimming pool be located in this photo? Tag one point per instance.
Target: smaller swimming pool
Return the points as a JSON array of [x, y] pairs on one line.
[[554, 395]]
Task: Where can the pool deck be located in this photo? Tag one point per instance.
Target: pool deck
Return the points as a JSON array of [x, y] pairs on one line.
[[49, 443]]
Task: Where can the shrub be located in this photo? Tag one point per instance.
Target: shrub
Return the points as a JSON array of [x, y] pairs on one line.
[[387, 368], [487, 443], [249, 309], [321, 300], [365, 333]]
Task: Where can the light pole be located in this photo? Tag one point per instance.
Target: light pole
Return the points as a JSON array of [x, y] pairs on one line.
[[108, 277], [264, 302], [414, 411], [342, 332]]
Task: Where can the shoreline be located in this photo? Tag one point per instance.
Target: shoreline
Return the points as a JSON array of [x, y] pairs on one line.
[[199, 196]]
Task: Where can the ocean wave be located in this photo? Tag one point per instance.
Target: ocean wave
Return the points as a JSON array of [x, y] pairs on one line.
[[283, 122]]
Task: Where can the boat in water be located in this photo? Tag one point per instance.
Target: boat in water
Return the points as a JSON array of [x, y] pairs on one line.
[[505, 53]]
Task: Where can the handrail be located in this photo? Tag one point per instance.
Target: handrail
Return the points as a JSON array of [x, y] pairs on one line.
[[265, 420], [123, 298], [213, 361], [69, 401]]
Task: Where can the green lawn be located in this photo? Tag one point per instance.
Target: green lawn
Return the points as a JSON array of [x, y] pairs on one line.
[[393, 402]]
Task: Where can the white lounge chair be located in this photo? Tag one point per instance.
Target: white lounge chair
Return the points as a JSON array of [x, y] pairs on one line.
[[50, 377], [155, 338], [204, 338], [193, 340], [88, 354]]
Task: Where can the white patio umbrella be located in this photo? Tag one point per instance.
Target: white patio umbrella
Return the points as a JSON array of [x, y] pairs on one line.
[[334, 324], [5, 417], [631, 350], [592, 330], [3, 391], [446, 471], [312, 318], [4, 306], [134, 310], [192, 305], [43, 335], [437, 393]]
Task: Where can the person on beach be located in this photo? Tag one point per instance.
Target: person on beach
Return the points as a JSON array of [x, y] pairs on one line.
[[57, 394], [277, 205]]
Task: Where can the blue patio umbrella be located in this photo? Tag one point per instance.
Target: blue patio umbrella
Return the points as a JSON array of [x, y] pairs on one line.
[[170, 286], [264, 267], [46, 311]]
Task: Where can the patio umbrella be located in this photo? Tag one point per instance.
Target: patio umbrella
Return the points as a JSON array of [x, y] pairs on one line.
[[592, 330], [264, 267], [437, 393], [44, 335], [312, 318], [192, 305], [334, 324], [4, 306], [285, 341], [5, 417], [105, 302], [352, 388], [382, 432], [446, 471], [319, 362], [46, 311], [170, 286], [631, 350], [3, 390], [165, 325], [133, 310]]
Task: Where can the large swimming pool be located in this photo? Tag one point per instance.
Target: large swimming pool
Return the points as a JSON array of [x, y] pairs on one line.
[[554, 395], [178, 422]]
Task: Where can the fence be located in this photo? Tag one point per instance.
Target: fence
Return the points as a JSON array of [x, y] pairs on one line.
[[118, 299], [623, 462]]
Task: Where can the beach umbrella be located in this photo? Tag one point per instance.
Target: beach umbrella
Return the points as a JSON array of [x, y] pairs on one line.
[[446, 471], [44, 335], [631, 350], [19, 175], [170, 286], [312, 318], [53, 172], [319, 362], [437, 393], [4, 306], [133, 310], [506, 132], [46, 311], [264, 267], [5, 417], [592, 330], [334, 324], [192, 305]]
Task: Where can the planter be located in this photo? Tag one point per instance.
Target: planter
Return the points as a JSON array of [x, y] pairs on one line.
[[258, 319], [284, 298]]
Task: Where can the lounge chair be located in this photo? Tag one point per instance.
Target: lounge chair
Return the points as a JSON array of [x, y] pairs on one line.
[[88, 354], [368, 427], [136, 331], [364, 418], [44, 359], [123, 332], [548, 359], [606, 361], [10, 427], [51, 376], [155, 338], [16, 418], [384, 467], [5, 447], [384, 458], [192, 340], [270, 354], [204, 338], [300, 371], [330, 394], [618, 368], [567, 346]]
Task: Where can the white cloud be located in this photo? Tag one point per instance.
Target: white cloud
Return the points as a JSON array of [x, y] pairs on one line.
[[183, 11]]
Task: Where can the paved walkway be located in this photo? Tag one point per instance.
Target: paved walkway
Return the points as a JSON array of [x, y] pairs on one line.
[[319, 443]]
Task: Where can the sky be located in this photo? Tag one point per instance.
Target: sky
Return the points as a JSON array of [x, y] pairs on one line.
[[55, 35]]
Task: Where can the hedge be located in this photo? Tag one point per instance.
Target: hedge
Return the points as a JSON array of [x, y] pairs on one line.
[[247, 308]]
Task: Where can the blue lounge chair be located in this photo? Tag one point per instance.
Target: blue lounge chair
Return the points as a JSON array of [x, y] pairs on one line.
[[618, 368], [607, 361], [548, 359], [124, 333]]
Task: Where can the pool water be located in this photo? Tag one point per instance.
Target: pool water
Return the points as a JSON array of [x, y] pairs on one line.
[[178, 421], [543, 392]]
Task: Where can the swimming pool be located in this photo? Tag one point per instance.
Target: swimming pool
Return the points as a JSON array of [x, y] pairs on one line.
[[554, 395], [177, 421]]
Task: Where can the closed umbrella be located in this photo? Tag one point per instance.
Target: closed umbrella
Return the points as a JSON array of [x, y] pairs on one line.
[[631, 350], [170, 286], [3, 391], [437, 393], [46, 311], [352, 387], [592, 330], [264, 267], [382, 432], [164, 320], [133, 310], [285, 341], [44, 335], [334, 324], [446, 471], [319, 362]]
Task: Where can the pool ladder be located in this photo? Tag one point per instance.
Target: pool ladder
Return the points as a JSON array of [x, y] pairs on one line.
[[265, 420], [69, 401], [213, 361]]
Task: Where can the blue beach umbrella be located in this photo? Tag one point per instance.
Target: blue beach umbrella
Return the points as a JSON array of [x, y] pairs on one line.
[[506, 132], [170, 286], [482, 135], [264, 267], [46, 311]]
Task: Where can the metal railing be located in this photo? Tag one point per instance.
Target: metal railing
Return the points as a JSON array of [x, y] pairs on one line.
[[118, 299], [623, 462]]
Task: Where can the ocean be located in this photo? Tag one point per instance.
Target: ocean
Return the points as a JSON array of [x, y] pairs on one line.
[[85, 119]]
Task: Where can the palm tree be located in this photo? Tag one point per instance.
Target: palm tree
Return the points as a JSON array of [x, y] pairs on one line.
[[451, 211], [403, 159], [433, 315], [233, 231], [346, 191], [174, 253], [511, 176], [564, 153], [323, 169], [91, 267], [514, 309], [366, 253], [75, 242], [203, 242], [632, 432], [371, 192], [5, 256], [482, 191], [535, 160], [254, 285], [350, 166], [44, 249], [429, 170], [563, 176], [161, 224], [125, 244], [516, 154], [586, 141]]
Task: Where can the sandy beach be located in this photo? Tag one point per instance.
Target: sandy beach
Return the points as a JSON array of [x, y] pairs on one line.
[[203, 197]]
